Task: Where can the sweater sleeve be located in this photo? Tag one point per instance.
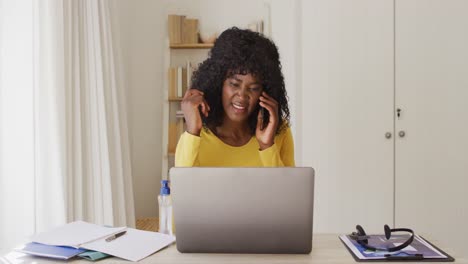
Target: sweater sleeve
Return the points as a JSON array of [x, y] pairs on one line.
[[186, 154], [281, 154]]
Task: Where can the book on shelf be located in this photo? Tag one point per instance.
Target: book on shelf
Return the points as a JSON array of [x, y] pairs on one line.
[[172, 83], [182, 30], [190, 30], [179, 114], [176, 82], [190, 70], [175, 26], [179, 80]]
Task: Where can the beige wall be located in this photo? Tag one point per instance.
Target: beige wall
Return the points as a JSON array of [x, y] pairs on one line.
[[141, 32]]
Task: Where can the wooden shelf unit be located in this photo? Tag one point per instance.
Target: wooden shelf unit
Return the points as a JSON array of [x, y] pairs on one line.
[[176, 55]]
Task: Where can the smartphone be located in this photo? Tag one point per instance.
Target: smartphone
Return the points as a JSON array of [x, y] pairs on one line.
[[264, 113]]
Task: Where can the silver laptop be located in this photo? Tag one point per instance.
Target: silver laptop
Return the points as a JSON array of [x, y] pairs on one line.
[[243, 210]]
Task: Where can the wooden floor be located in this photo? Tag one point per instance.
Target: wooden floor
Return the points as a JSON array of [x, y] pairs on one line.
[[148, 224]]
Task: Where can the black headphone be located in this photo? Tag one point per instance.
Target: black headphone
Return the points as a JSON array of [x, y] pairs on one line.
[[361, 238]]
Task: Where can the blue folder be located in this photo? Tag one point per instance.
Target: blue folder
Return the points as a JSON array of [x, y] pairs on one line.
[[58, 252]]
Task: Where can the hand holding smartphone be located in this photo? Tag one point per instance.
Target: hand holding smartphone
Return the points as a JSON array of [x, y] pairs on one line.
[[268, 118], [264, 117]]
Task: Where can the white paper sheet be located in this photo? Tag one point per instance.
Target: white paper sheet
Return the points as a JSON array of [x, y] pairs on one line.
[[134, 245], [75, 234]]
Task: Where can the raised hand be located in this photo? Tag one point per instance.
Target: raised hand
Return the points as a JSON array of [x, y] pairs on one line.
[[266, 135], [193, 99]]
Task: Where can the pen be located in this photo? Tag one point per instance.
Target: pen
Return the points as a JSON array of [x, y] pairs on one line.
[[109, 239]]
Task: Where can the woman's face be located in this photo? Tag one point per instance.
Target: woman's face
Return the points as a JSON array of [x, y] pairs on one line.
[[240, 96]]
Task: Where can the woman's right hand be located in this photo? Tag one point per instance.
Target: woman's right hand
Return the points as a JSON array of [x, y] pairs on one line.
[[193, 99]]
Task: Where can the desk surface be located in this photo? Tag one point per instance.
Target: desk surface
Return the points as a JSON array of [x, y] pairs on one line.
[[326, 249]]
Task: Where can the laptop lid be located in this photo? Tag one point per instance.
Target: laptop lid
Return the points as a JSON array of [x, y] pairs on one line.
[[243, 210]]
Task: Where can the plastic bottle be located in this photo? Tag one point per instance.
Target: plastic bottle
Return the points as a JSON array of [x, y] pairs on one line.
[[165, 209]]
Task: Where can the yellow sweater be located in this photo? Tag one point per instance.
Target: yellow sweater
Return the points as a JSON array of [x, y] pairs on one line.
[[208, 150]]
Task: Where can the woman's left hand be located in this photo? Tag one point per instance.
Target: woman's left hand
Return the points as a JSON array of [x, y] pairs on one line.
[[266, 135]]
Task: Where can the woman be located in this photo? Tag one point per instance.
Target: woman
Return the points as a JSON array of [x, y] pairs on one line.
[[237, 111]]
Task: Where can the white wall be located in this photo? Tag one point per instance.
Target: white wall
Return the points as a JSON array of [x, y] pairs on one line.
[[142, 33], [286, 33]]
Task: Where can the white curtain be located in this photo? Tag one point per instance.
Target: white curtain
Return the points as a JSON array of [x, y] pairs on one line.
[[73, 132], [17, 190]]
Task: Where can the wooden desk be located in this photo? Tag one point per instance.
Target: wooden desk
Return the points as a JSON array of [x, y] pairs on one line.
[[326, 249]]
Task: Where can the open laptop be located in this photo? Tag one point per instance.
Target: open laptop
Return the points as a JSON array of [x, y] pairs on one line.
[[243, 210]]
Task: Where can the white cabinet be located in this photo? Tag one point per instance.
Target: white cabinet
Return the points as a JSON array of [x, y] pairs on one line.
[[347, 108], [362, 61], [431, 56]]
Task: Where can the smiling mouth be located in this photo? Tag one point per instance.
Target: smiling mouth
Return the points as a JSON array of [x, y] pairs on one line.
[[239, 108]]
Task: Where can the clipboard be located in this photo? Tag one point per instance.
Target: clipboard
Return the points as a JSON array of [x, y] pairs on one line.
[[413, 255]]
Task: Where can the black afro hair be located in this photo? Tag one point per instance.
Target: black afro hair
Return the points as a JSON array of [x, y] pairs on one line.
[[239, 51]]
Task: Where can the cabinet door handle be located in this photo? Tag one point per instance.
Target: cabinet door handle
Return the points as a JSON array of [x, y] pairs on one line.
[[401, 133], [388, 135], [398, 112]]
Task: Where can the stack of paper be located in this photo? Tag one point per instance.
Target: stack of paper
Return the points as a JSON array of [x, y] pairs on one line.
[[134, 245]]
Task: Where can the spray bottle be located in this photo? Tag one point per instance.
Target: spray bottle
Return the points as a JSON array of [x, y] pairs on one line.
[[165, 209]]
